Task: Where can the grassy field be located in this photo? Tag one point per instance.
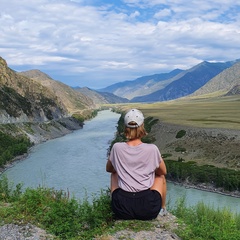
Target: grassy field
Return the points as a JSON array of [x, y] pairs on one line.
[[218, 112]]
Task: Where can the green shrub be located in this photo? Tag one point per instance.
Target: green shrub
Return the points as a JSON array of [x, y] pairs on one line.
[[181, 134], [62, 216], [79, 117], [180, 149], [12, 146], [9, 193], [166, 155], [220, 177]]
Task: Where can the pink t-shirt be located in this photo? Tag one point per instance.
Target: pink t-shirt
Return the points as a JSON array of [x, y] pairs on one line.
[[135, 165]]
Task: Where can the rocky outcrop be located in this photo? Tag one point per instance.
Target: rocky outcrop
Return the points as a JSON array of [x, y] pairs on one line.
[[163, 229], [24, 232], [41, 132]]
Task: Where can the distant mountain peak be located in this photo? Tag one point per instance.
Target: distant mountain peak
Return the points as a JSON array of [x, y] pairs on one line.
[[36, 74]]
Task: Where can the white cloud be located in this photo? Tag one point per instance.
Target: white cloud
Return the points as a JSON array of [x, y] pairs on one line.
[[135, 14], [163, 13], [110, 43]]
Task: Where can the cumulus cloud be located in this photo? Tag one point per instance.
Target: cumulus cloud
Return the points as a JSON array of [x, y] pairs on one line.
[[163, 13], [94, 44]]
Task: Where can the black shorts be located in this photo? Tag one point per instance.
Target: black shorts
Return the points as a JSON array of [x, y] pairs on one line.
[[144, 205]]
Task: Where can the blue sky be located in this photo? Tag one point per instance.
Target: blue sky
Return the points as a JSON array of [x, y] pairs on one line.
[[97, 43]]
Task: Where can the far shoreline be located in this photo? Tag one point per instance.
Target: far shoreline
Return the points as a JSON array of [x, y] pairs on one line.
[[40, 136], [207, 188], [14, 161]]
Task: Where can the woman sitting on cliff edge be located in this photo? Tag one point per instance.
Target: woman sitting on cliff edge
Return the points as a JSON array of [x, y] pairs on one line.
[[138, 184]]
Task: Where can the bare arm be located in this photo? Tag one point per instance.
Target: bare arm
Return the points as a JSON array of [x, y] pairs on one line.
[[161, 170], [109, 167]]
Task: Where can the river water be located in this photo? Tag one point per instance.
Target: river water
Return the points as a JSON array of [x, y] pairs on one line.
[[76, 163]]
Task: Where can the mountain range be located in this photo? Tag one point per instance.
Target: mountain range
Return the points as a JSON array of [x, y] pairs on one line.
[[101, 97], [177, 83], [34, 96]]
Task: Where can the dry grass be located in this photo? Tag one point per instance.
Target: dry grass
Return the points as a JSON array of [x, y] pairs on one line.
[[216, 112]]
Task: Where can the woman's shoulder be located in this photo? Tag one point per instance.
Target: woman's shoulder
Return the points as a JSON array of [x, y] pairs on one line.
[[150, 146], [118, 144]]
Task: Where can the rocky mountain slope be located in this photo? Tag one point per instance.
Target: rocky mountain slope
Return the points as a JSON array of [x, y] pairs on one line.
[[222, 83], [101, 97], [72, 100], [23, 99]]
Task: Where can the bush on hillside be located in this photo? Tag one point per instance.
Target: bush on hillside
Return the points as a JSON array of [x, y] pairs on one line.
[[11, 147]]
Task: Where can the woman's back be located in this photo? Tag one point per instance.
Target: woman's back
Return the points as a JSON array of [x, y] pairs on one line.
[[135, 165]]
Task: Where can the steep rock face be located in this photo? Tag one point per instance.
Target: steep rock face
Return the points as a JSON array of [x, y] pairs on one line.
[[23, 99]]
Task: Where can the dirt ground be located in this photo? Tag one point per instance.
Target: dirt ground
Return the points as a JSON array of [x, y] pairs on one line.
[[218, 147]]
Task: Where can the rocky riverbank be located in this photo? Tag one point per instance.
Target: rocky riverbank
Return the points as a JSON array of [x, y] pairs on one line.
[[212, 146], [39, 132], [208, 188], [163, 229]]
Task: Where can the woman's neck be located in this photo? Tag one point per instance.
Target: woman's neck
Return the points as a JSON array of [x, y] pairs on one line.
[[134, 142]]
